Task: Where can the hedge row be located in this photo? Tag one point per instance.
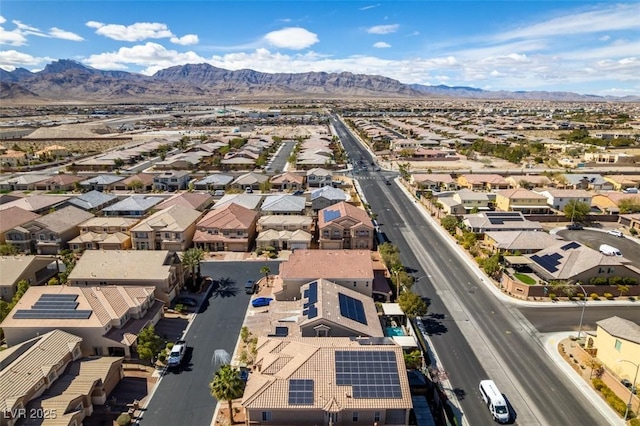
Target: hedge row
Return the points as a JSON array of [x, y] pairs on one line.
[[612, 399]]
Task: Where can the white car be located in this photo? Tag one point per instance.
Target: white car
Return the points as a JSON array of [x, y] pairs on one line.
[[615, 233]]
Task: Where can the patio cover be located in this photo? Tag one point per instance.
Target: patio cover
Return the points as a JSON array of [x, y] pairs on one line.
[[518, 260]]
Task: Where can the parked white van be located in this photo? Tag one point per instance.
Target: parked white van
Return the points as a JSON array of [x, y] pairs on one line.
[[494, 400], [608, 250]]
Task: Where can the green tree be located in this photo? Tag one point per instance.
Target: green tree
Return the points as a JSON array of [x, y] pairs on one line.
[[8, 250], [413, 359], [629, 205], [265, 186], [191, 259], [22, 288], [227, 385], [577, 211], [118, 163], [449, 223], [412, 304], [53, 281], [149, 343], [135, 185], [491, 265]]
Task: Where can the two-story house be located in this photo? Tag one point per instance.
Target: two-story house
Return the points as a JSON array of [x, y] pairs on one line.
[[287, 181], [169, 229], [318, 177], [48, 234], [344, 226], [13, 217], [108, 318], [523, 200], [229, 228], [327, 196], [483, 182], [104, 233], [35, 270], [160, 269], [174, 180], [558, 198]]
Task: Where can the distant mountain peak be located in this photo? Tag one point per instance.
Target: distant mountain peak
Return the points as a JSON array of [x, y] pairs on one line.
[[63, 65]]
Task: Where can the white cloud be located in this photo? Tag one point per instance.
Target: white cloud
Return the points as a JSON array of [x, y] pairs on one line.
[[369, 7], [383, 29], [185, 40], [605, 38], [134, 32], [13, 38], [56, 32], [2, 19], [294, 38], [28, 29], [381, 45], [12, 59], [151, 56], [609, 18]]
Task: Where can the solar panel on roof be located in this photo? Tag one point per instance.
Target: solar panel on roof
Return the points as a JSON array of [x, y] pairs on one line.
[[352, 308], [313, 311], [51, 314], [548, 262], [70, 297], [372, 374], [330, 215], [313, 292], [300, 392], [55, 304]]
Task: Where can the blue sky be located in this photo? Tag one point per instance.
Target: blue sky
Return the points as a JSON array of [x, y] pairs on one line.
[[577, 46]]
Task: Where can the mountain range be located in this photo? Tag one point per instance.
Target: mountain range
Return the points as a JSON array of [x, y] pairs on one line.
[[70, 81]]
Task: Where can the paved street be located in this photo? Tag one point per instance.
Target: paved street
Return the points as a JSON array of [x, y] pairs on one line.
[[476, 336], [280, 160], [183, 398]]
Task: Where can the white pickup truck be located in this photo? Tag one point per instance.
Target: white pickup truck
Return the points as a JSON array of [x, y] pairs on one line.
[[177, 353]]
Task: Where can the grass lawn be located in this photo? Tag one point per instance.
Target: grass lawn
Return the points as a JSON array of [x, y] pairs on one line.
[[525, 279]]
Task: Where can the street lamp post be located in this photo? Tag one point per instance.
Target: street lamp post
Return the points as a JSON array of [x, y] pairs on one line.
[[633, 386], [584, 305]]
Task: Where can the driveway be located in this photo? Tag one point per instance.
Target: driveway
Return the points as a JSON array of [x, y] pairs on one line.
[[182, 397], [591, 238]]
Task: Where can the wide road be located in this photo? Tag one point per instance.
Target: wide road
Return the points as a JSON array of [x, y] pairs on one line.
[[476, 336], [183, 398], [278, 162]]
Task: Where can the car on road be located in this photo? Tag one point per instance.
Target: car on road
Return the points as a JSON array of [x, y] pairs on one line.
[[187, 301], [261, 301], [575, 226], [177, 354], [250, 287], [615, 233]]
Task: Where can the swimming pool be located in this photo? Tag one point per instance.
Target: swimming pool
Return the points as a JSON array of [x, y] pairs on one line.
[[393, 331]]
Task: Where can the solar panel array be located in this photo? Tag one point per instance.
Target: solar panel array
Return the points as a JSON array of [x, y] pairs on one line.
[[54, 306], [352, 308], [499, 218], [330, 215], [571, 245], [310, 309], [549, 262], [300, 392], [371, 374]]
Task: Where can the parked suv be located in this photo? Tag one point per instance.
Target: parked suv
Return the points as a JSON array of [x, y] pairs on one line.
[[615, 233], [575, 226], [250, 287]]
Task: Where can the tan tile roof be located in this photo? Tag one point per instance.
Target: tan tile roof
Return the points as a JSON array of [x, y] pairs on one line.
[[193, 200], [442, 178], [521, 193], [122, 265], [567, 193], [64, 219], [176, 218], [231, 216], [270, 221], [521, 240], [287, 177], [108, 303], [110, 222], [35, 202], [482, 178], [12, 267], [62, 180], [35, 359], [145, 178], [314, 359], [616, 197], [621, 328], [346, 210], [329, 309], [329, 264]]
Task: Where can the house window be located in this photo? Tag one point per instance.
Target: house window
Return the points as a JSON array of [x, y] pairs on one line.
[[376, 416], [266, 416], [354, 416], [618, 345]]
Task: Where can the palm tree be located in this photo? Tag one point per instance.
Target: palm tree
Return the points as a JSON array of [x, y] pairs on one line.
[[266, 271], [395, 270], [227, 386], [191, 259]]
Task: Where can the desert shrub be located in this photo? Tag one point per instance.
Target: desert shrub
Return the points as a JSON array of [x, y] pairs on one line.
[[552, 296], [634, 422], [123, 419], [580, 296], [633, 231], [594, 296], [608, 296], [598, 384]]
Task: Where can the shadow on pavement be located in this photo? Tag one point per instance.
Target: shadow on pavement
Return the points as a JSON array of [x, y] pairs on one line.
[[433, 325]]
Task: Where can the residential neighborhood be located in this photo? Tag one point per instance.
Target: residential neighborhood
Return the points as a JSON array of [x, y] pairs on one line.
[[334, 229]]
